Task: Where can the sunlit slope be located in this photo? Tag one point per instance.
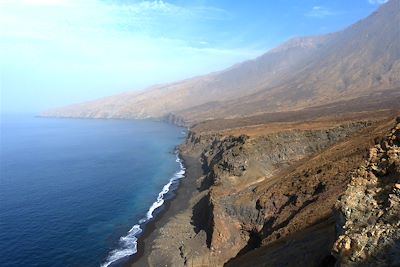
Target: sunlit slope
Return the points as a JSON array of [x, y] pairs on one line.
[[301, 73]]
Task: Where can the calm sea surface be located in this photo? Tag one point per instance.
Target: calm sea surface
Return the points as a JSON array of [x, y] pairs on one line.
[[71, 190]]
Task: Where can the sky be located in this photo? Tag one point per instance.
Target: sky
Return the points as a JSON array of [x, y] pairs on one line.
[[58, 52]]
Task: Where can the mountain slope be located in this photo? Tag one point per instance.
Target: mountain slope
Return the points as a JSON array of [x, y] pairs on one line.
[[240, 80], [356, 62], [301, 73]]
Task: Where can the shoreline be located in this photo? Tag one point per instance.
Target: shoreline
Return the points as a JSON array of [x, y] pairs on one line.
[[171, 207], [120, 256]]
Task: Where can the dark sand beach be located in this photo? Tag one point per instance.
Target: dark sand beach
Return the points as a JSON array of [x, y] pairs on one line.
[[178, 204]]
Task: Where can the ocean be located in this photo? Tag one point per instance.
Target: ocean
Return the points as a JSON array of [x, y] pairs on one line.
[[77, 192]]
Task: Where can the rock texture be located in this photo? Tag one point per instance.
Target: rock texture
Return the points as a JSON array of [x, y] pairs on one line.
[[369, 211], [261, 197]]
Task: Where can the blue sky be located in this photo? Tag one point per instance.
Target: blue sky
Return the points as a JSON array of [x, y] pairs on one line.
[[57, 52]]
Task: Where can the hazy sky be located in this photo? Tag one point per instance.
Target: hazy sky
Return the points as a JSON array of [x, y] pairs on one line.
[[57, 52]]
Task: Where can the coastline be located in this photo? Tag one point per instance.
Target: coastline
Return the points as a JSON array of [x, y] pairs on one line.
[[171, 207], [130, 242]]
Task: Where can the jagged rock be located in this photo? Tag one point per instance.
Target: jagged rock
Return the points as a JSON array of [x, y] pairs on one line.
[[369, 210], [233, 163], [273, 194]]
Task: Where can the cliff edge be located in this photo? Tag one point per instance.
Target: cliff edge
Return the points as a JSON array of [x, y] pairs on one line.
[[270, 190]]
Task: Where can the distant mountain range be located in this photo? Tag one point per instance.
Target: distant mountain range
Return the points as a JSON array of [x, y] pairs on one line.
[[361, 60]]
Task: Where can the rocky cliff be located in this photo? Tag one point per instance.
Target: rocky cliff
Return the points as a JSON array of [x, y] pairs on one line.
[[261, 197], [369, 211]]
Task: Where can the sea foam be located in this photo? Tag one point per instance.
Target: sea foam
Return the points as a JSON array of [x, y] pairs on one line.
[[128, 243]]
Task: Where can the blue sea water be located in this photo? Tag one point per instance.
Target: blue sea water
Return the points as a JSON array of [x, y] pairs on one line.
[[78, 192]]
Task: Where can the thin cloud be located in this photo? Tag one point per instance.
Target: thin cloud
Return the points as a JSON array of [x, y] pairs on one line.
[[91, 47], [46, 2], [162, 8], [44, 19], [320, 12], [377, 2]]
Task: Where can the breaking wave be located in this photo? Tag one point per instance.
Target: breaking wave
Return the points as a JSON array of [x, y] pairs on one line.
[[128, 243]]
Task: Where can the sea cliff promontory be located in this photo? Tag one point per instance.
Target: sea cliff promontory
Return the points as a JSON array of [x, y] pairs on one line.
[[264, 193]]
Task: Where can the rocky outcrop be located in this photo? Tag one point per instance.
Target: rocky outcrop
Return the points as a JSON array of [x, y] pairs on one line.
[[369, 211], [249, 199], [175, 119], [228, 157], [245, 203], [248, 209]]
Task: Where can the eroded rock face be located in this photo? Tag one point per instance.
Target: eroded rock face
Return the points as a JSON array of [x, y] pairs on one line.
[[174, 119], [369, 211], [245, 210], [229, 158], [255, 195]]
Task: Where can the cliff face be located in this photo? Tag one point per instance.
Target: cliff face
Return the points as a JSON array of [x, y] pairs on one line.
[[264, 196], [369, 210], [250, 202]]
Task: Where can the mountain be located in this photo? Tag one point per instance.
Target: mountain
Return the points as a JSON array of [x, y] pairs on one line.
[[361, 60]]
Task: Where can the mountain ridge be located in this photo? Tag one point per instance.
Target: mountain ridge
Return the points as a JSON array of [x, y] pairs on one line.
[[301, 73]]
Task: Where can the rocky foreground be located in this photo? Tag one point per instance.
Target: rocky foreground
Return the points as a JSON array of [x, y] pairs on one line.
[[268, 196], [369, 211]]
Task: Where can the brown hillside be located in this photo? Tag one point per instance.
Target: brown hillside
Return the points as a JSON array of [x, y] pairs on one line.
[[302, 73]]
